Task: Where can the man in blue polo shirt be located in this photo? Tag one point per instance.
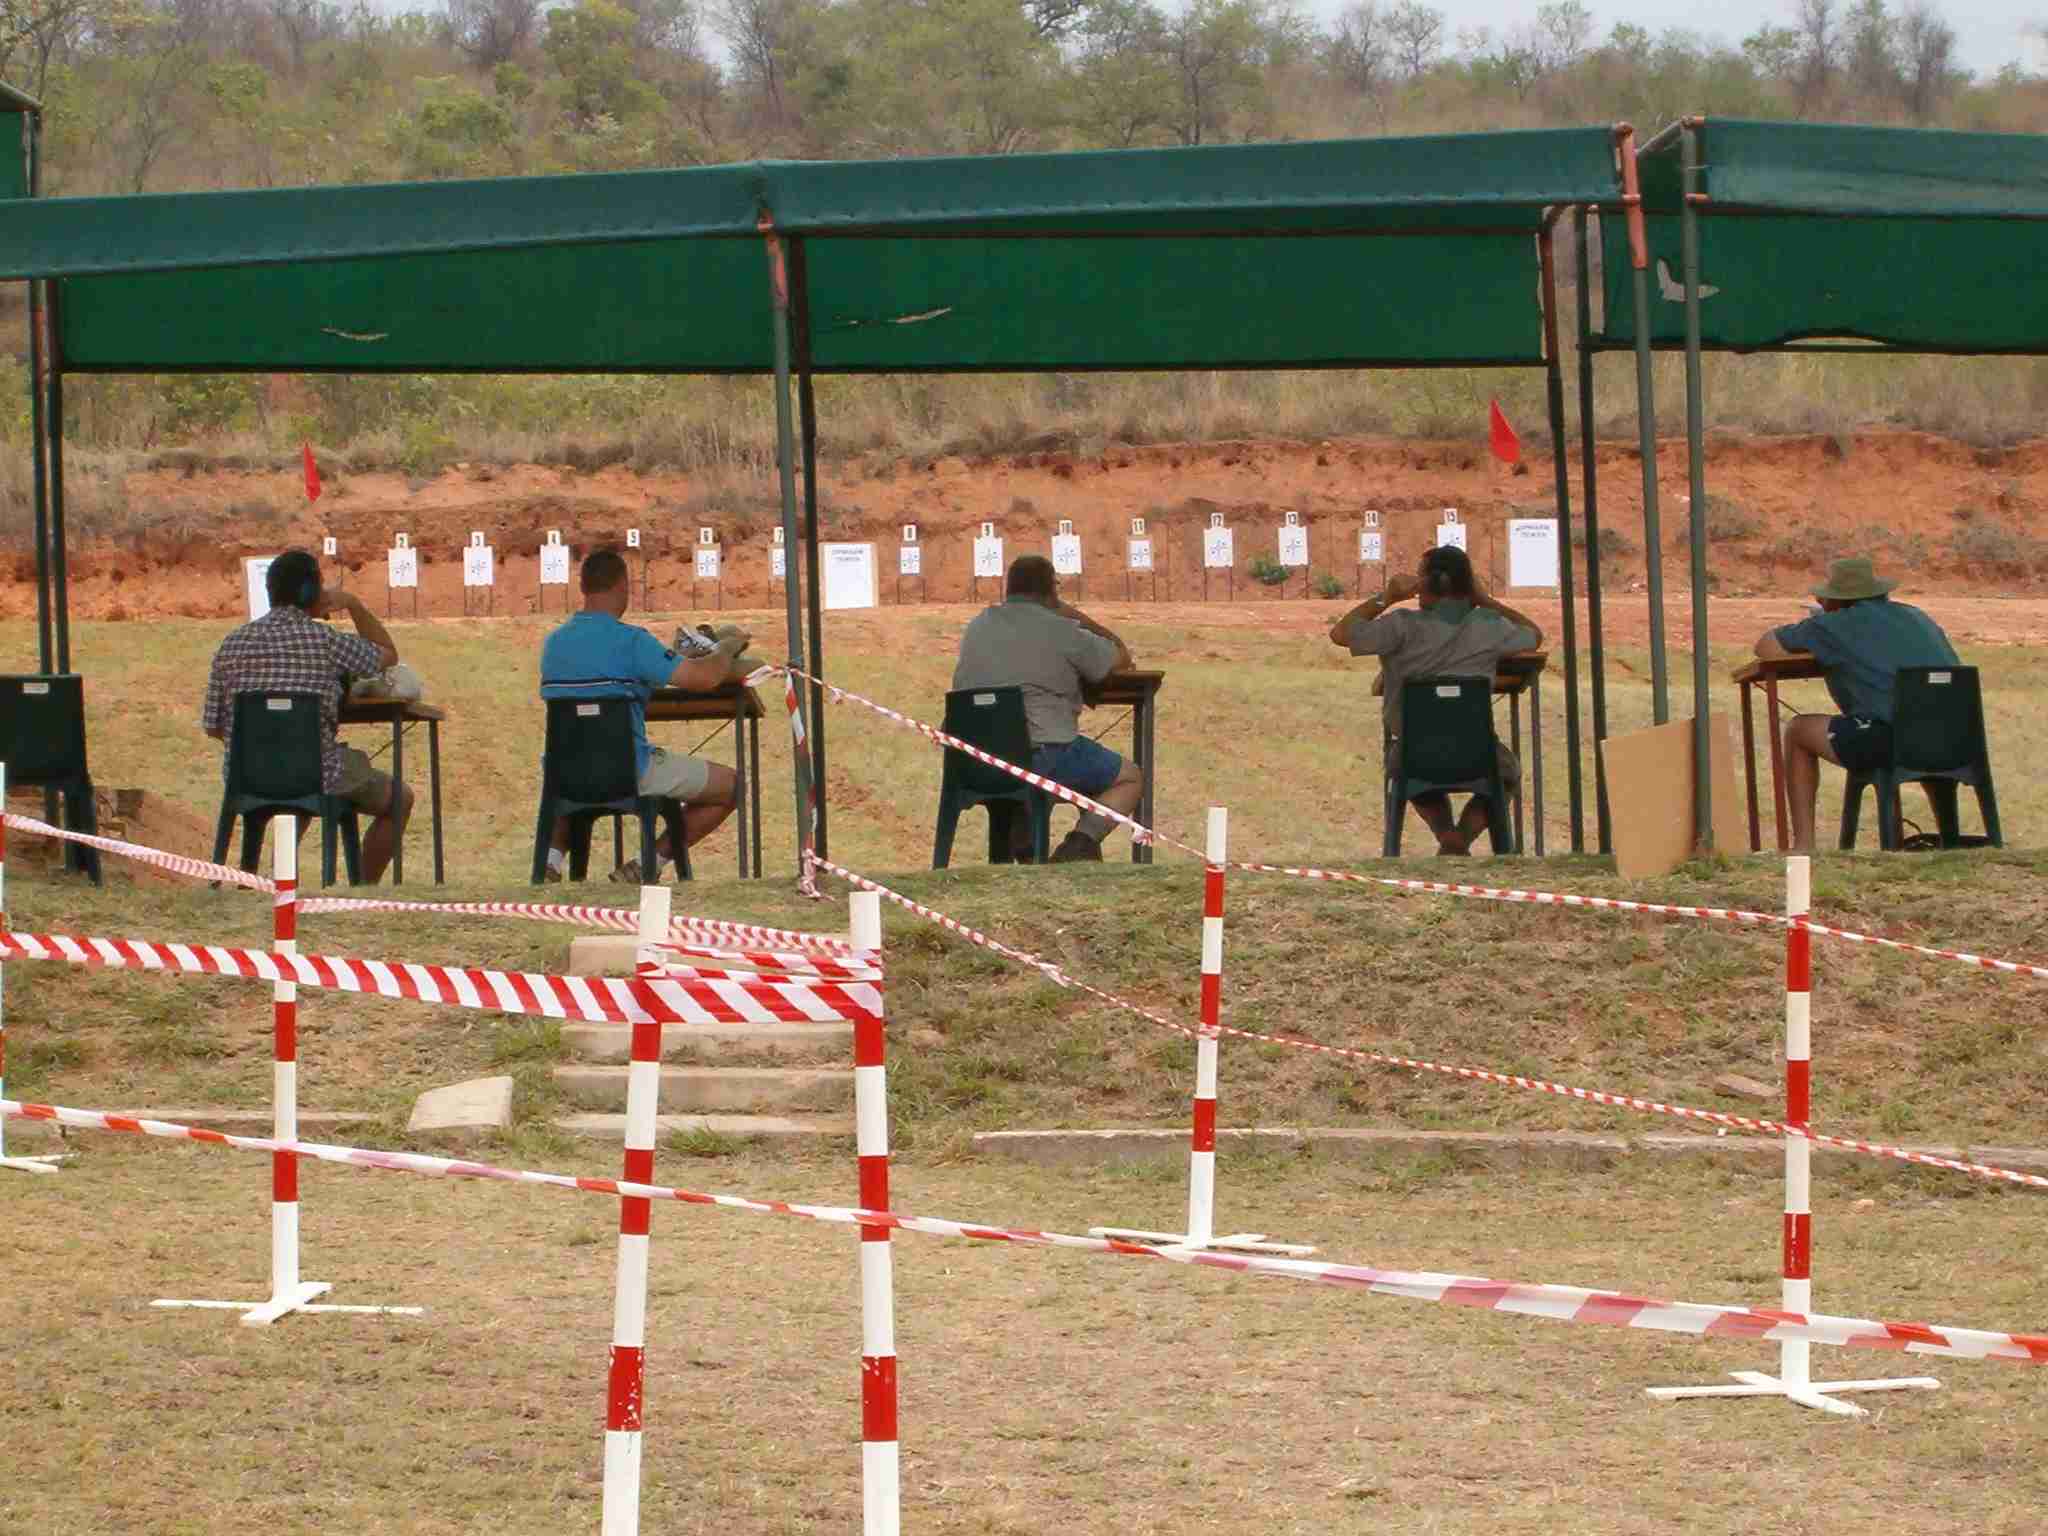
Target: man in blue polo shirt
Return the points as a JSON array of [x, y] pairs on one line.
[[1862, 638], [596, 656]]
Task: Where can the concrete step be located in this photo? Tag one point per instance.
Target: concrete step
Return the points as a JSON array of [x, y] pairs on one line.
[[614, 1042], [712, 1090], [783, 1128]]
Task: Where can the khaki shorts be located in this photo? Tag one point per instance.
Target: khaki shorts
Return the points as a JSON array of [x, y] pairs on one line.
[[362, 784], [674, 776]]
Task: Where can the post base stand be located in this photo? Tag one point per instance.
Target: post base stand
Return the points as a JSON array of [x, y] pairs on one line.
[[46, 1164], [1239, 1242], [299, 1298], [1817, 1394]]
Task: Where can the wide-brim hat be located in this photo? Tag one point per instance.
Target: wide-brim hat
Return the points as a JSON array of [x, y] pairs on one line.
[[1852, 580]]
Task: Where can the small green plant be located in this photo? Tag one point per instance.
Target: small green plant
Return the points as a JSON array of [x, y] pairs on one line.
[[702, 1141], [1327, 585], [1268, 572]]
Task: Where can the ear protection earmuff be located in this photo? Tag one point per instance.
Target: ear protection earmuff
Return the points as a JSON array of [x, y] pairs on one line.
[[309, 592]]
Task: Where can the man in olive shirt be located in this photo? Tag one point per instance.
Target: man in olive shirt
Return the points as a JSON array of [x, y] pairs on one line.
[[1456, 630], [1862, 638], [1034, 641]]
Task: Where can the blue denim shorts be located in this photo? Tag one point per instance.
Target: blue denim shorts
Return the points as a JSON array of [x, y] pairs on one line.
[[1083, 765]]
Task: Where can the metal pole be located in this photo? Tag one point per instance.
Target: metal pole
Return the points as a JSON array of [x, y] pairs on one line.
[[807, 416], [785, 464], [60, 586], [1696, 468], [1588, 469], [36, 404], [1554, 376], [1646, 426]]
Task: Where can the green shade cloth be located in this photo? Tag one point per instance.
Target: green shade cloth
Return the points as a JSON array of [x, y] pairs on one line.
[[1342, 253], [1906, 238]]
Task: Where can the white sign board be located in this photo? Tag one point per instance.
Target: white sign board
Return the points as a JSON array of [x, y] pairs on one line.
[[1219, 548], [255, 573], [1532, 552], [1372, 549], [402, 563], [909, 560], [778, 563], [1140, 557], [988, 556], [1294, 545], [632, 538], [1066, 554], [479, 565], [707, 562], [848, 575], [1451, 534], [330, 546], [554, 560]]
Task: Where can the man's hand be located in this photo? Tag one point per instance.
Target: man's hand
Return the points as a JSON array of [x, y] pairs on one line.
[[1400, 588]]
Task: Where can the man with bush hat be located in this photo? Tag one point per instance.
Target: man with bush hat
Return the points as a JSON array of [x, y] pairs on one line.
[[1861, 638]]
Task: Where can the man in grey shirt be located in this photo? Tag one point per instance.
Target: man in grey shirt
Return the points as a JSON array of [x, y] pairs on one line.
[[1034, 641], [1456, 630]]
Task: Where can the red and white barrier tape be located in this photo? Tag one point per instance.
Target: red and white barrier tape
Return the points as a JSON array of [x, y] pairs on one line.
[[739, 999], [781, 946], [176, 863], [1563, 1303], [849, 968], [1981, 962], [1471, 1074]]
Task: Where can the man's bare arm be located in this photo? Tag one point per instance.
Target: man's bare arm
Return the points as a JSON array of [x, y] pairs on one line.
[[706, 674], [368, 625], [1124, 661], [1770, 648], [1481, 598]]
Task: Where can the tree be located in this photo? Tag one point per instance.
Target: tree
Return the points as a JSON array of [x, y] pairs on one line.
[[302, 23], [1219, 51], [1563, 29], [1927, 47], [771, 42], [492, 32], [1360, 49], [1123, 83], [1820, 46], [1417, 34], [1868, 54], [590, 45]]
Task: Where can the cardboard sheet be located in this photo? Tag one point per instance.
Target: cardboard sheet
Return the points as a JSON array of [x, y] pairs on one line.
[[1650, 795]]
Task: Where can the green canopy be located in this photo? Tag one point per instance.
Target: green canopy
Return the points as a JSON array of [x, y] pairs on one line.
[[1343, 254], [1907, 239]]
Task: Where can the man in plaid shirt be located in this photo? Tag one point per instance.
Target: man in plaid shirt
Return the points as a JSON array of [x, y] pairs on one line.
[[289, 651]]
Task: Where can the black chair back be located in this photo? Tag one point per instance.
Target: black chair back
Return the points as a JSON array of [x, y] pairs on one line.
[[1937, 720], [42, 729], [276, 755], [1447, 730], [591, 755], [993, 720]]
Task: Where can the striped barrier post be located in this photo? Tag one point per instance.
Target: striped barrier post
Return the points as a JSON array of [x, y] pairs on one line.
[[1794, 1380], [18, 1164], [1201, 1228], [626, 1394], [880, 1474], [288, 1293]]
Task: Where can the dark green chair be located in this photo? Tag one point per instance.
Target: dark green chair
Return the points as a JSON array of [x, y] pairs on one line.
[[1938, 742], [42, 742], [1447, 746], [275, 758], [993, 720], [590, 768]]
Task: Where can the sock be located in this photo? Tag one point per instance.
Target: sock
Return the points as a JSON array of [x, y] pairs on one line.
[[1094, 826], [558, 860]]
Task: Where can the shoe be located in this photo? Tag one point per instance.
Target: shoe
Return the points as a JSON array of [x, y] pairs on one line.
[[1077, 848], [627, 873], [551, 875]]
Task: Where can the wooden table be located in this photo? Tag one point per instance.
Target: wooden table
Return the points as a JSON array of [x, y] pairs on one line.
[[742, 707], [1767, 675], [1137, 690], [398, 714], [1518, 673]]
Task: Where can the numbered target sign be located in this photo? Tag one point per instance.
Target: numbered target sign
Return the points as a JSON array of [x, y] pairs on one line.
[[632, 538], [402, 562], [988, 554], [1066, 551], [1140, 556], [778, 559], [1372, 548], [707, 562], [909, 560], [330, 547], [1450, 535], [554, 560], [1293, 541], [479, 562], [1219, 548], [1137, 527]]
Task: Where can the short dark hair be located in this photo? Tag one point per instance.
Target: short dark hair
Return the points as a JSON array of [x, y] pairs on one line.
[[293, 580], [1447, 572], [603, 570], [1031, 576]]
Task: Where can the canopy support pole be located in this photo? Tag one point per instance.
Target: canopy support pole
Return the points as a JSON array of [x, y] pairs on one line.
[[785, 464], [1696, 469], [807, 417], [60, 585], [1554, 379], [37, 383], [1590, 497], [1646, 426]]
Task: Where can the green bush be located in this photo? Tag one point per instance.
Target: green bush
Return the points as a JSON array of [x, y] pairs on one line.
[[1327, 585], [1268, 571]]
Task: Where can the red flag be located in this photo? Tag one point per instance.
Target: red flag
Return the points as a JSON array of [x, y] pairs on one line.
[[312, 472], [1506, 446]]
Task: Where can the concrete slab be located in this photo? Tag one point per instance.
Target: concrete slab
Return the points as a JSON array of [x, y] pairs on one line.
[[614, 1042], [481, 1104], [713, 1090], [790, 1128], [613, 954], [1545, 1149]]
